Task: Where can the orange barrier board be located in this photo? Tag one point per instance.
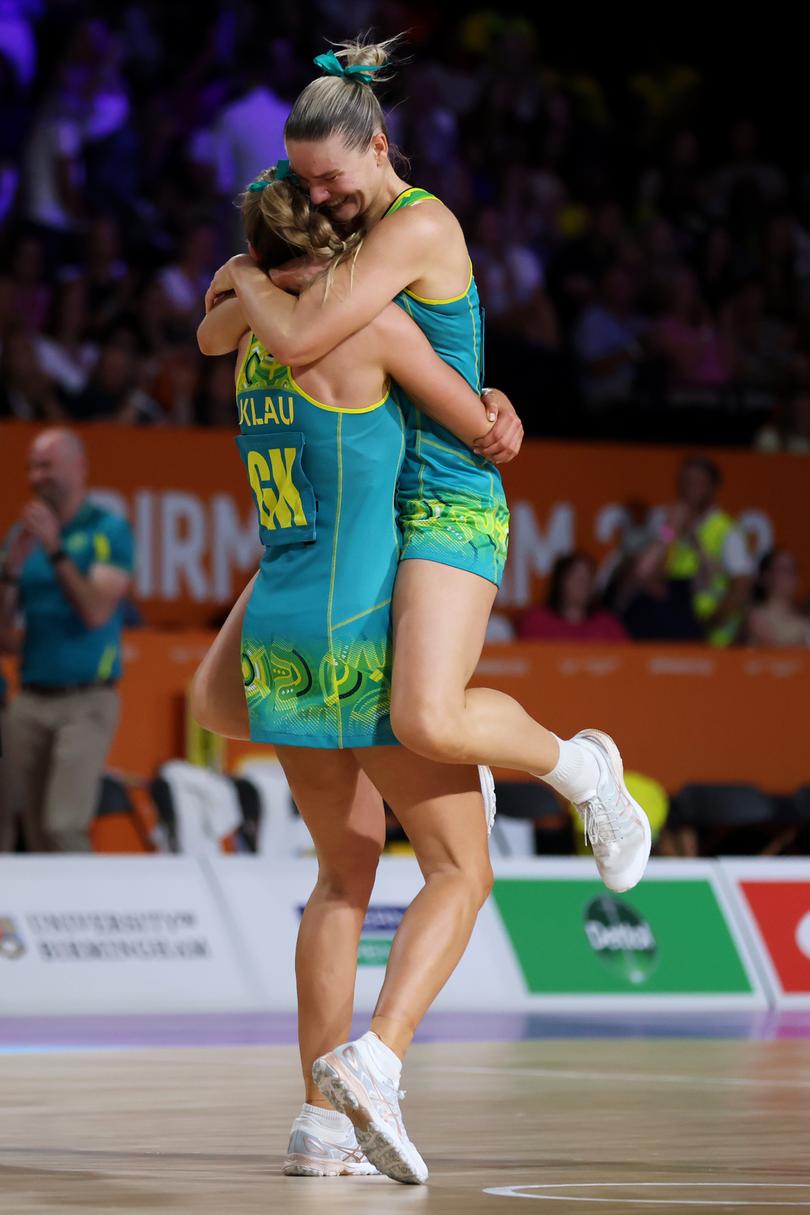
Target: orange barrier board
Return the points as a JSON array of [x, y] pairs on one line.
[[187, 498], [680, 713]]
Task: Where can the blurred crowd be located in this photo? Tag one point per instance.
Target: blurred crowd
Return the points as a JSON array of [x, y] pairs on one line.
[[641, 277], [684, 572]]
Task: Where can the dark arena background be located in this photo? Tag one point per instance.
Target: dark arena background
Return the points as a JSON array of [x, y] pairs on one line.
[[634, 190]]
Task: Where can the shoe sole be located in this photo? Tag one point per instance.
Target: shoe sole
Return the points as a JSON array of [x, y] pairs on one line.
[[378, 1145], [614, 756], [303, 1166]]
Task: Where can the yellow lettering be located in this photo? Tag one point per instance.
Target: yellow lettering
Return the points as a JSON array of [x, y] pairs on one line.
[[254, 419], [289, 417], [278, 501], [259, 475], [289, 500], [270, 414], [243, 412]]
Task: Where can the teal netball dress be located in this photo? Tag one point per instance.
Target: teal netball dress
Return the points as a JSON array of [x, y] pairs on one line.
[[451, 503], [316, 639]]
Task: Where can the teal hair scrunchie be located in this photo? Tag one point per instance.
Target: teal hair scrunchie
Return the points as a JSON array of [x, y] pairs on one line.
[[281, 172], [331, 65]]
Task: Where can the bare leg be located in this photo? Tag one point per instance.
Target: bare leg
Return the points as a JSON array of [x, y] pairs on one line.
[[217, 691], [441, 810], [440, 620], [344, 814]]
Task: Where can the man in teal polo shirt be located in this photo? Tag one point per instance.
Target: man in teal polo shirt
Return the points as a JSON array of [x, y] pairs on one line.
[[66, 571]]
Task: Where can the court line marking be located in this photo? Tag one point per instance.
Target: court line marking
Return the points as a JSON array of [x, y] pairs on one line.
[[511, 1191], [551, 1073]]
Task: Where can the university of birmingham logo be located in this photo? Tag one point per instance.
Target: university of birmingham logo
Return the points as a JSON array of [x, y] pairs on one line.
[[12, 945]]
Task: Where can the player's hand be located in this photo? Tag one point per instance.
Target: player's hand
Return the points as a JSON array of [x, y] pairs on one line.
[[212, 300], [222, 282], [41, 522], [296, 275], [505, 439]]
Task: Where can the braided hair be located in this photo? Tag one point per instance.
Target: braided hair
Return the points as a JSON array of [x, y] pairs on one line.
[[281, 222]]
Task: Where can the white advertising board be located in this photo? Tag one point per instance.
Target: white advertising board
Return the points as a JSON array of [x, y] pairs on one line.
[[103, 934], [266, 898]]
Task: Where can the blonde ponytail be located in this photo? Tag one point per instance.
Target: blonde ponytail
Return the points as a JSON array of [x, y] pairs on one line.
[[343, 102]]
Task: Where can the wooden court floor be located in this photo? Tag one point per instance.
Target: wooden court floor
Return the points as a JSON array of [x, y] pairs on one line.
[[581, 1127]]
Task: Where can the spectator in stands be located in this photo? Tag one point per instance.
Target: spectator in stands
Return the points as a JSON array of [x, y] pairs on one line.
[[745, 169], [26, 392], [790, 429], [66, 569], [608, 340], [583, 261], [697, 355], [104, 275], [672, 188], [508, 272], [249, 131], [25, 297], [53, 202], [699, 544], [774, 618], [763, 345], [62, 352], [215, 405], [721, 267], [780, 266], [661, 257], [571, 611], [185, 281], [113, 393]]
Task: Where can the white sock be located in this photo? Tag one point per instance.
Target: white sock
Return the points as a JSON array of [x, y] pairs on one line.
[[389, 1063], [575, 774], [326, 1117]]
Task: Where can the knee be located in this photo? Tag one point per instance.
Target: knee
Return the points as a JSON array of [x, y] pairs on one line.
[[474, 879], [349, 884], [481, 881], [201, 702], [429, 728], [212, 711]]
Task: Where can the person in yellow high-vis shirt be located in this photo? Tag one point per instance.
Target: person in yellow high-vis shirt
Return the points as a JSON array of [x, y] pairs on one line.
[[700, 542]]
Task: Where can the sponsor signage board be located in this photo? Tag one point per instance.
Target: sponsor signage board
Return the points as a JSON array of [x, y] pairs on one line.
[[773, 900], [114, 935], [266, 899], [670, 941], [174, 934]]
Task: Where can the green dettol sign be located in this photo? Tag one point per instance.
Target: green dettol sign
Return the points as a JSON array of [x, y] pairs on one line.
[[621, 938], [666, 937]]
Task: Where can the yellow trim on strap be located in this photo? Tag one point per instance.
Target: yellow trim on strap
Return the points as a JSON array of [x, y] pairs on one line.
[[454, 300], [339, 408]]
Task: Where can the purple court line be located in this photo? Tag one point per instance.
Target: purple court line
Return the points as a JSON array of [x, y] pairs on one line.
[[275, 1028]]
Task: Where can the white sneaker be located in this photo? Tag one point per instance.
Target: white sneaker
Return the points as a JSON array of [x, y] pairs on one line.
[[616, 827], [320, 1149], [488, 793], [354, 1084]]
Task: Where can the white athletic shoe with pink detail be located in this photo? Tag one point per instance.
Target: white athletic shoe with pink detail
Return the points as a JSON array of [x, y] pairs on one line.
[[616, 827], [350, 1078], [324, 1148]]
